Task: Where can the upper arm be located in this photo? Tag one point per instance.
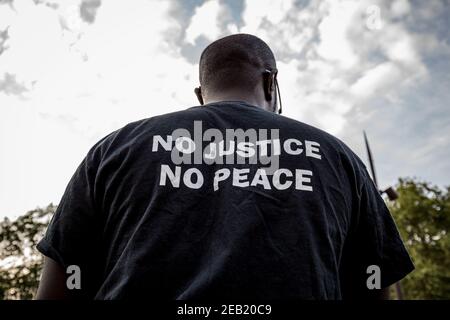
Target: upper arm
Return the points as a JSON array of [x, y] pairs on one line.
[[72, 237], [373, 241], [53, 282]]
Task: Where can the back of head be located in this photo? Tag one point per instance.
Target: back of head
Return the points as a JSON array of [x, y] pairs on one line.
[[235, 61]]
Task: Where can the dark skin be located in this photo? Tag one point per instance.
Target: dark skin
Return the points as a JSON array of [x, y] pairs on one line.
[[53, 282], [264, 94]]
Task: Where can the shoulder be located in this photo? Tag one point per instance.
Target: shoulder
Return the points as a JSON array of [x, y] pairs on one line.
[[130, 134], [337, 150]]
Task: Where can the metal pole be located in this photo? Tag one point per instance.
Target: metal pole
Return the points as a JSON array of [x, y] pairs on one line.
[[371, 165], [398, 288]]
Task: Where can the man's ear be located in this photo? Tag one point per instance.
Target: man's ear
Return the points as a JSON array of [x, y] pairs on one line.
[[198, 93], [269, 85]]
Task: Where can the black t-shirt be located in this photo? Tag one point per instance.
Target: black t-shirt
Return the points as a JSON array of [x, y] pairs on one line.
[[225, 200]]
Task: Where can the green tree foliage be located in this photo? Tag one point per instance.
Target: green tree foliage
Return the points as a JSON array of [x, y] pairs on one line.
[[20, 262], [422, 215]]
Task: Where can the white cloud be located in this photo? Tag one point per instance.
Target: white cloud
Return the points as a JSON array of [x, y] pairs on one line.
[[34, 42], [400, 8], [334, 42], [287, 28], [210, 20], [340, 62], [375, 80], [83, 83], [84, 80], [7, 16], [258, 11]]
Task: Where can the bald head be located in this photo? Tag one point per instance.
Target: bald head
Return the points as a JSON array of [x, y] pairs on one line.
[[236, 61]]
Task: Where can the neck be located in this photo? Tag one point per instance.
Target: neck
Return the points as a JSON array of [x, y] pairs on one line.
[[235, 96]]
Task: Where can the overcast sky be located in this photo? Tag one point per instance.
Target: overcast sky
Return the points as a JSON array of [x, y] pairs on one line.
[[72, 71]]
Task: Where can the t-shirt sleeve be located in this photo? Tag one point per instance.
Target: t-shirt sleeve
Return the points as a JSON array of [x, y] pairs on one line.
[[374, 241], [72, 236]]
